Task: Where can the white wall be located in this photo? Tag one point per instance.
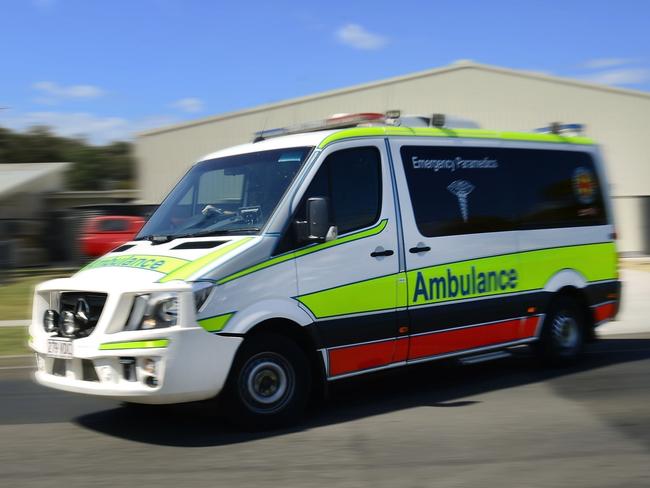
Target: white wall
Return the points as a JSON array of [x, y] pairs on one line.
[[632, 218]]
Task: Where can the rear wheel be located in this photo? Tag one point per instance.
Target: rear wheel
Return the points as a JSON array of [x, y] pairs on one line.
[[269, 383], [563, 332]]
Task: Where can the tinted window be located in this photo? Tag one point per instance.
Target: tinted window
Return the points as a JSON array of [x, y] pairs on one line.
[[558, 189], [472, 190], [459, 190], [355, 187], [351, 180]]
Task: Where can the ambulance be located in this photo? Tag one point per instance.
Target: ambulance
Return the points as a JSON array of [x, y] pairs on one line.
[[320, 252]]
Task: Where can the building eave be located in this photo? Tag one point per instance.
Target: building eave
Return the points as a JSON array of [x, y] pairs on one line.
[[457, 66]]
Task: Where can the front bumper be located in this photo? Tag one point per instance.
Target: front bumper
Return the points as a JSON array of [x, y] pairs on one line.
[[178, 364], [193, 366]]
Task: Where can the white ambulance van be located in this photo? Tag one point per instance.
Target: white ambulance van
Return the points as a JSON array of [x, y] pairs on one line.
[[315, 254]]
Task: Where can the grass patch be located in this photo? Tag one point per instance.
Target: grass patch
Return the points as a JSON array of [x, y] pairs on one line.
[[16, 296], [13, 341]]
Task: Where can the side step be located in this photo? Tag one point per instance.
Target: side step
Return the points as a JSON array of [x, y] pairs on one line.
[[488, 356]]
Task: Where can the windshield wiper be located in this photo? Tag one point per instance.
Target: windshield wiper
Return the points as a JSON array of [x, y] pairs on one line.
[[156, 239], [218, 232], [162, 239]]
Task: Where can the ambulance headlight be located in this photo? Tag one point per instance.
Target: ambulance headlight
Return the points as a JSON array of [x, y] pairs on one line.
[[202, 291], [68, 323], [50, 320], [153, 311]]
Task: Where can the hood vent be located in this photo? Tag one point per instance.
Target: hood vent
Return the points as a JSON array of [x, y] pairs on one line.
[[123, 248], [198, 245]]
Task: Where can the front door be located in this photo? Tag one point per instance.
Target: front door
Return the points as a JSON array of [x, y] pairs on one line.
[[351, 285]]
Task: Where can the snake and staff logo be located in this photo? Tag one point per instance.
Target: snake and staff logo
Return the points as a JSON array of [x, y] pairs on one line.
[[462, 189]]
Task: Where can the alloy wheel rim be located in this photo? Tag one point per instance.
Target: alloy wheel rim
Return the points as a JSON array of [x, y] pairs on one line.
[[565, 331], [268, 383]]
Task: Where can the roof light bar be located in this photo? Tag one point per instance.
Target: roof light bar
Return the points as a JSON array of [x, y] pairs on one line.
[[368, 119], [337, 121], [558, 128], [352, 119]]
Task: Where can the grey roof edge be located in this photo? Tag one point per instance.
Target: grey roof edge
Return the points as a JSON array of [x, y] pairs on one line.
[[47, 169], [48, 165], [456, 66]]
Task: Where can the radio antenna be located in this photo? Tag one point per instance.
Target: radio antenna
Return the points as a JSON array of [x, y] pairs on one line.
[[260, 137]]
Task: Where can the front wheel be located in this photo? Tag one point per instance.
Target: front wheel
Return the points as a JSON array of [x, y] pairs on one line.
[[562, 337], [269, 383]]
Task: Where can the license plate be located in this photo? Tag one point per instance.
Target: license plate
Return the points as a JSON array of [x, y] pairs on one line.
[[57, 348]]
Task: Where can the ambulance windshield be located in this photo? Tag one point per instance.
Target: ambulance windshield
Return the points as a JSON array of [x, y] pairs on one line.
[[229, 195]]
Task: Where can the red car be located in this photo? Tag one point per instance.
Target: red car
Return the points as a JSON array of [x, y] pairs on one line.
[[105, 233]]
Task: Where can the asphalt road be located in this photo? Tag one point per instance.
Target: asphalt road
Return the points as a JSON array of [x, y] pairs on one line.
[[505, 423]]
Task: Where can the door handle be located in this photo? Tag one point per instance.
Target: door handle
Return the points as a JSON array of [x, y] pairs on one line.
[[376, 254], [416, 250]]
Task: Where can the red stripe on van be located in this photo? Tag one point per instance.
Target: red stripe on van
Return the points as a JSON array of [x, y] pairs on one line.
[[604, 312], [468, 338], [401, 349], [351, 359], [529, 327], [355, 358]]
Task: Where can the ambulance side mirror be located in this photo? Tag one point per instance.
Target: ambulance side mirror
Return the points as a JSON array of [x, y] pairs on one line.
[[316, 228], [317, 218]]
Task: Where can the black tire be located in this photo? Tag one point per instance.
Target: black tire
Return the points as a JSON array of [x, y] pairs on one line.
[[563, 332], [269, 383]]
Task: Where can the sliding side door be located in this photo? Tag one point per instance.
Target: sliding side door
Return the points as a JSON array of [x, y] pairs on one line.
[[457, 200]]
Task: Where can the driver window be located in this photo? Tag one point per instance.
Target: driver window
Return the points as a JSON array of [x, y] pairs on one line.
[[351, 181], [355, 188]]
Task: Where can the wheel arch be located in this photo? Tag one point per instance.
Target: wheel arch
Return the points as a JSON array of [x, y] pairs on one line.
[[248, 318], [304, 337], [575, 289], [565, 278], [572, 283]]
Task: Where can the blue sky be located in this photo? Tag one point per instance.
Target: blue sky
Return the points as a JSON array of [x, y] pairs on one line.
[[105, 69]]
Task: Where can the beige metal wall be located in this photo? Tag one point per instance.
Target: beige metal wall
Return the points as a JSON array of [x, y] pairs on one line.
[[496, 98]]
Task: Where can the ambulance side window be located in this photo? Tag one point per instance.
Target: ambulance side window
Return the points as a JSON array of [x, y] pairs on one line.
[[355, 187], [351, 180], [459, 190], [466, 190], [558, 189]]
